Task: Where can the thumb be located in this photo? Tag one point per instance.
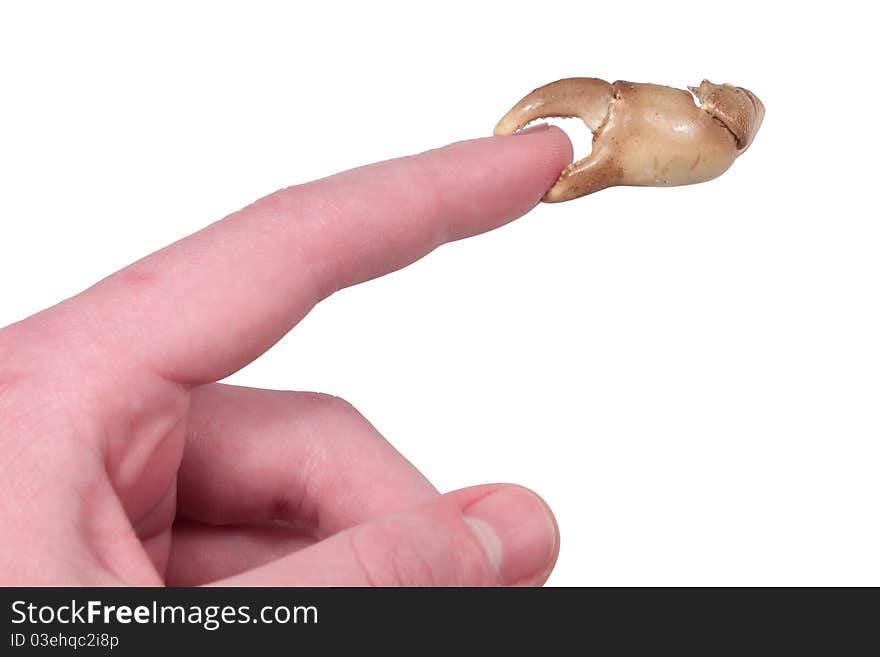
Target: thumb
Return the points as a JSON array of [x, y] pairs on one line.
[[492, 535]]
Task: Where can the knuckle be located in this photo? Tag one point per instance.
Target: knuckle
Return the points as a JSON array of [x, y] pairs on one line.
[[388, 558], [333, 405]]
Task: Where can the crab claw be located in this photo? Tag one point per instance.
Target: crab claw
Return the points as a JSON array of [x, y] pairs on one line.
[[643, 134], [584, 98]]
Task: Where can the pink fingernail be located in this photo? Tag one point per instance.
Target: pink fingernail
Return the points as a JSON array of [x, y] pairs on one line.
[[516, 531]]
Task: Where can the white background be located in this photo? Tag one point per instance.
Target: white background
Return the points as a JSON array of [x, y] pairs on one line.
[[689, 376]]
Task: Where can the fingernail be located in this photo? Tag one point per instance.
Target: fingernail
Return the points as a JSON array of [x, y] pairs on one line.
[[517, 532], [540, 127]]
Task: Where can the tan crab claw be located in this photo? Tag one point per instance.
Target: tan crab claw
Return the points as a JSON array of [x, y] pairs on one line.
[[584, 98], [643, 134]]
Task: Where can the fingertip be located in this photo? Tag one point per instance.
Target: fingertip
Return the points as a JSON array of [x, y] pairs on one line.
[[557, 145], [545, 150], [562, 150], [517, 531], [549, 146], [487, 182]]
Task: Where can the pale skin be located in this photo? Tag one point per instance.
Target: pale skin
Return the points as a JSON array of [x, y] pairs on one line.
[[123, 462]]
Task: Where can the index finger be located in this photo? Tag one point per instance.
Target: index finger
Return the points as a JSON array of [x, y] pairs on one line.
[[202, 308]]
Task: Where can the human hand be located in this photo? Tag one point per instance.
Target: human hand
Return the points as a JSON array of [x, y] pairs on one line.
[[124, 463]]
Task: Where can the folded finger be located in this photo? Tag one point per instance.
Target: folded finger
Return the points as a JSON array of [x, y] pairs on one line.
[[203, 553], [308, 460]]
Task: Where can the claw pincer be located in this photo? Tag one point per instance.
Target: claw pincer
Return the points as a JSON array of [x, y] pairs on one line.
[[643, 134]]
